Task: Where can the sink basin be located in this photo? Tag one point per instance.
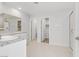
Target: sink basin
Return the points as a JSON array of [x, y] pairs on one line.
[[7, 38]]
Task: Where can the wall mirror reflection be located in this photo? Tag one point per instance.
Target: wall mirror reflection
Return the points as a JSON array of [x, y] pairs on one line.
[[9, 23]]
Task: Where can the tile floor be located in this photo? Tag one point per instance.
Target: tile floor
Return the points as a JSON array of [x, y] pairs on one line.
[[35, 49]]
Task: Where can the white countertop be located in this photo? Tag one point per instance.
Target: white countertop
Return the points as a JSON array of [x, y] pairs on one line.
[[21, 35]]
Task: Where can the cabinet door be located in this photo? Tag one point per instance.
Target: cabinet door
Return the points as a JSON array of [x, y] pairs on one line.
[[3, 52], [17, 49]]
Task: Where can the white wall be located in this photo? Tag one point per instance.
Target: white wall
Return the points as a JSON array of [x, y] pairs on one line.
[[58, 29], [38, 29], [35, 22], [29, 31], [38, 20], [76, 42], [32, 29]]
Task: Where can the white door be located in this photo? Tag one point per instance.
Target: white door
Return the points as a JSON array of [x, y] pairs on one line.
[[71, 29]]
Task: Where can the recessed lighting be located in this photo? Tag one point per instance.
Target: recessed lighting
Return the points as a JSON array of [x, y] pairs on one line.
[[19, 8]]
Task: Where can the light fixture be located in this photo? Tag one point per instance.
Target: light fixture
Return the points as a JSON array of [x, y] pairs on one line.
[[19, 8], [36, 2]]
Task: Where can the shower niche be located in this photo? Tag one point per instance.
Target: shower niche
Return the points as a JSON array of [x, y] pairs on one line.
[[45, 30]]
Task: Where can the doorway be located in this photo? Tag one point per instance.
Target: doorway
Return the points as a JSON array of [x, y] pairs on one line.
[[45, 30]]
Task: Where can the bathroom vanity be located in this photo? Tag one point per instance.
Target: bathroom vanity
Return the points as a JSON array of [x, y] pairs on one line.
[[13, 46], [12, 39]]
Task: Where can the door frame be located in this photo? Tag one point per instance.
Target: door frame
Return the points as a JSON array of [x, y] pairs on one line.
[[70, 29]]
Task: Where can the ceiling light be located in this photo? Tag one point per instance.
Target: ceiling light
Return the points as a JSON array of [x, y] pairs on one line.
[[36, 2], [19, 8]]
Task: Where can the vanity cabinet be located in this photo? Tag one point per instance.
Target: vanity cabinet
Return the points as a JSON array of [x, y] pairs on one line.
[[17, 49], [3, 52]]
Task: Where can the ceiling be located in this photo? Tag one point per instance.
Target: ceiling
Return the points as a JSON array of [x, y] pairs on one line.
[[41, 8]]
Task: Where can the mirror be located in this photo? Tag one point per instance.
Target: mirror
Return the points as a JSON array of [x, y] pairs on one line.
[[9, 23], [19, 25], [1, 24]]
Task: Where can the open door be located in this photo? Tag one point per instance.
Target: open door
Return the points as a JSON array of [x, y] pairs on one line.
[[71, 29]]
